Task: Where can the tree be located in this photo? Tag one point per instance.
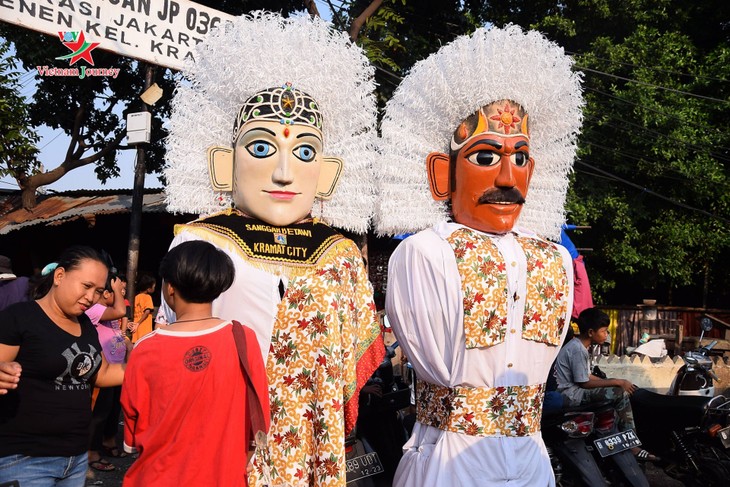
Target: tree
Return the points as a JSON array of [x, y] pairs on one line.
[[90, 111], [660, 132], [652, 178], [398, 33], [17, 140]]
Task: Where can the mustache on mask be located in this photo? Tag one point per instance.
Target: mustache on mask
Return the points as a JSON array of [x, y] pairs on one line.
[[498, 195]]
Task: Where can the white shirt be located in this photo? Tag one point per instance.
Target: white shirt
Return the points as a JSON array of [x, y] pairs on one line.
[[425, 306], [256, 307]]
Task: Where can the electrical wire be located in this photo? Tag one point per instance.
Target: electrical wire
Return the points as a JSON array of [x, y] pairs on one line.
[[622, 128], [9, 184], [650, 192], [650, 109], [652, 68], [638, 158], [644, 83], [54, 138]]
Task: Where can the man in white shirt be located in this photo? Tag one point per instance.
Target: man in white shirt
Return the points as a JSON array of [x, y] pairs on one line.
[[479, 305]]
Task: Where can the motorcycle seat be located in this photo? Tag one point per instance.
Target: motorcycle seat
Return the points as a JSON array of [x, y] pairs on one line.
[[590, 407], [681, 406]]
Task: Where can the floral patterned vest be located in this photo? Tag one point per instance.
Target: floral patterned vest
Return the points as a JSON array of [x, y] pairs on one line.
[[483, 274]]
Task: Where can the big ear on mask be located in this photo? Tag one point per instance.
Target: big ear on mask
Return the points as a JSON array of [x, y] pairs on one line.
[[437, 166]]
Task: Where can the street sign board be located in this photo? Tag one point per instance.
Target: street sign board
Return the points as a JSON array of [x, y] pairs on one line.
[[162, 32]]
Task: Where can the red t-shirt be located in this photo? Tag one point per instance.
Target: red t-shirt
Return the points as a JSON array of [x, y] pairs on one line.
[[184, 403]]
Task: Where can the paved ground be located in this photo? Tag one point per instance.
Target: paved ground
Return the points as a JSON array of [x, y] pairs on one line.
[[655, 475], [113, 478]]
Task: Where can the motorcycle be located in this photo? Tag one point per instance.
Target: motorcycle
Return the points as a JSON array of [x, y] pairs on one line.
[[585, 447], [695, 377], [565, 432], [690, 433], [689, 428], [379, 428]]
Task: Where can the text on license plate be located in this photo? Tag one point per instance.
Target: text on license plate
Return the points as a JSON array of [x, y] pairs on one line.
[[363, 466], [610, 445]]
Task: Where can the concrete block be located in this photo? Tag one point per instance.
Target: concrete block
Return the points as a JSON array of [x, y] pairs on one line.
[[657, 376]]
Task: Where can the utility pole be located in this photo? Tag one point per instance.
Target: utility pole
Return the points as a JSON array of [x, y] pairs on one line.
[[135, 221]]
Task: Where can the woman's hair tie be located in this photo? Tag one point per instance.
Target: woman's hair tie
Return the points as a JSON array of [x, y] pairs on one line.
[[49, 268]]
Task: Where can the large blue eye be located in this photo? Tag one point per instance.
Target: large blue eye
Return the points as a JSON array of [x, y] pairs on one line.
[[483, 158], [305, 152], [260, 149]]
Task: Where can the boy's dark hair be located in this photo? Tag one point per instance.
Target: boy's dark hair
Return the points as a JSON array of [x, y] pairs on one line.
[[198, 271], [592, 319], [144, 282]]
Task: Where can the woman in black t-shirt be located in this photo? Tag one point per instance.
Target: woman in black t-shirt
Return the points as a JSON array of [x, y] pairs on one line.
[[45, 413]]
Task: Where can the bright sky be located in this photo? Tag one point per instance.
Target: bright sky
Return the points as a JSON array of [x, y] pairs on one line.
[[54, 143]]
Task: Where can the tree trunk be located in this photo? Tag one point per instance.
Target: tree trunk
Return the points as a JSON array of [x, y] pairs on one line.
[[27, 197], [30, 184], [360, 20], [311, 8]]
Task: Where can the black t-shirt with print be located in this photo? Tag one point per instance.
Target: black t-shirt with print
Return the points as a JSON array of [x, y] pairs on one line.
[[49, 414]]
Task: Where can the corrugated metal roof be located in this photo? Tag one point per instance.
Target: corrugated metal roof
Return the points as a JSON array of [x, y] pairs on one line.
[[54, 209]]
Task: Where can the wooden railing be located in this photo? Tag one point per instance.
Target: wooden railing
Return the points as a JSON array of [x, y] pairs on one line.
[[678, 326]]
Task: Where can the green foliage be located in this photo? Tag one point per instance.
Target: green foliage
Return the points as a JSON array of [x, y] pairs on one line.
[[90, 111], [17, 140], [653, 180], [402, 32]]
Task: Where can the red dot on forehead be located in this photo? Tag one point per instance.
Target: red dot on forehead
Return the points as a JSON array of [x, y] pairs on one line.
[[286, 131]]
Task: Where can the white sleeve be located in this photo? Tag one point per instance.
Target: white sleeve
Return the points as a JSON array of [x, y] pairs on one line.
[[425, 306]]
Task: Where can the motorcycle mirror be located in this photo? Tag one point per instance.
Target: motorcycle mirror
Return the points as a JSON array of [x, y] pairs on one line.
[[706, 323]]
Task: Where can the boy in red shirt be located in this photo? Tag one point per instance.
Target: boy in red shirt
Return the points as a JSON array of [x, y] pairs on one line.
[[194, 418]]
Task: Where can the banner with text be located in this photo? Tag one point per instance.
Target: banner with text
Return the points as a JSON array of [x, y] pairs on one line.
[[162, 32]]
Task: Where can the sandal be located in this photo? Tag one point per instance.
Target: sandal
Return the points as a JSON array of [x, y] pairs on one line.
[[102, 465], [644, 456], [113, 451]]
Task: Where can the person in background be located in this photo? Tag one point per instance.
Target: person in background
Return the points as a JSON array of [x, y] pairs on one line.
[[143, 307], [582, 297], [44, 432], [205, 398], [161, 318], [578, 386], [107, 316], [13, 289], [128, 313]]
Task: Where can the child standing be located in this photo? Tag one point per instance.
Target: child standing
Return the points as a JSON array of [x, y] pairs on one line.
[[106, 316], [193, 421], [143, 307]]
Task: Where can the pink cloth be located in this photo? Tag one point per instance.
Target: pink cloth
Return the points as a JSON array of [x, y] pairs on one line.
[[582, 298], [110, 335]]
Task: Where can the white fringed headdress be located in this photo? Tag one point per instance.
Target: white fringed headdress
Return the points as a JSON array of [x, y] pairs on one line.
[[451, 84], [261, 51]]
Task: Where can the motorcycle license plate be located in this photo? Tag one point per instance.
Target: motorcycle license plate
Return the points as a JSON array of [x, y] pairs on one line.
[[363, 466], [610, 445], [724, 435]]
